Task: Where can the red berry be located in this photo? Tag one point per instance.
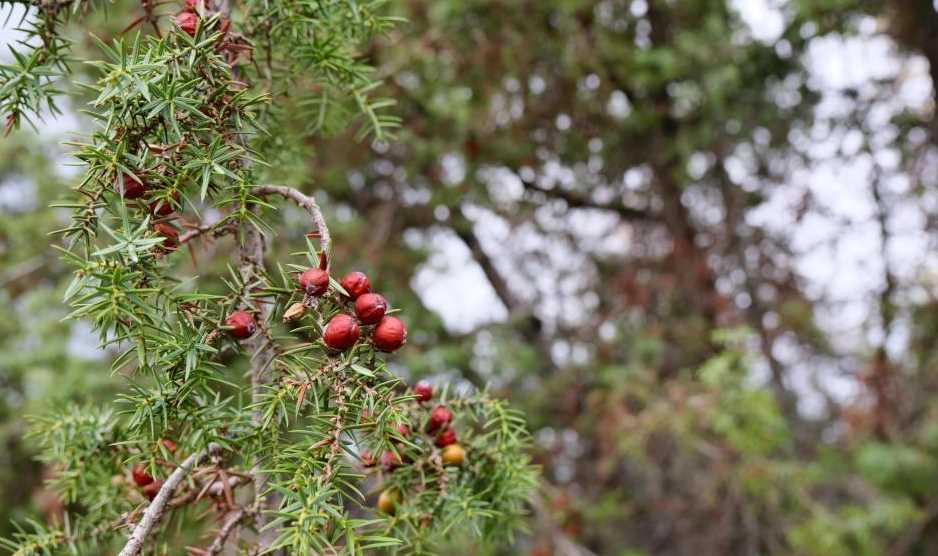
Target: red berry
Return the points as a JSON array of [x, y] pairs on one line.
[[390, 460], [152, 489], [242, 324], [169, 445], [424, 391], [403, 430], [366, 458], [341, 332], [170, 233], [191, 5], [356, 284], [439, 418], [314, 281], [140, 475], [390, 334], [188, 22], [165, 207], [133, 189], [445, 438], [371, 307]]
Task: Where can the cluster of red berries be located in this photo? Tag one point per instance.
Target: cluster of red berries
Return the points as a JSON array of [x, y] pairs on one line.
[[135, 188], [439, 423], [148, 485], [132, 188], [438, 427], [343, 330]]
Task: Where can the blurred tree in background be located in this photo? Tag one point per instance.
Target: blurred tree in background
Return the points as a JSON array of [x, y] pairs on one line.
[[691, 239]]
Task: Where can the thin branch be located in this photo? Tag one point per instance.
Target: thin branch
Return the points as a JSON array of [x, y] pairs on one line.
[[218, 544], [341, 407], [463, 227], [252, 268], [213, 230], [576, 201], [517, 309], [156, 508], [307, 203], [216, 487], [22, 270]]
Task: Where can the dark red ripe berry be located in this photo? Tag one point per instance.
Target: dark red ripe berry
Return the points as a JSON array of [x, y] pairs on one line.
[[356, 284], [171, 234], [242, 324], [314, 281], [439, 418], [424, 391], [445, 438], [165, 207], [390, 460], [133, 189], [152, 489], [390, 334], [188, 21], [371, 307], [140, 475], [341, 332]]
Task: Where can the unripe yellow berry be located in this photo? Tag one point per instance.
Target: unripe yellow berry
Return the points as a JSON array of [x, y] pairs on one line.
[[454, 454], [388, 500]]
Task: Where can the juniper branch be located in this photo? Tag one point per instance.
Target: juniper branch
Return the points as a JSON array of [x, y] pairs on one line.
[[306, 202], [156, 508], [231, 522], [252, 268]]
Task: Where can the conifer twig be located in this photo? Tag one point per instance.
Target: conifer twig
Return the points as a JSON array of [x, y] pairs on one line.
[[218, 543], [252, 268], [156, 508], [307, 203]]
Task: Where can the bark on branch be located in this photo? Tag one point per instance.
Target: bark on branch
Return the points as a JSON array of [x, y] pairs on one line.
[[156, 508], [577, 201], [218, 543], [307, 203], [252, 269], [517, 309]]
